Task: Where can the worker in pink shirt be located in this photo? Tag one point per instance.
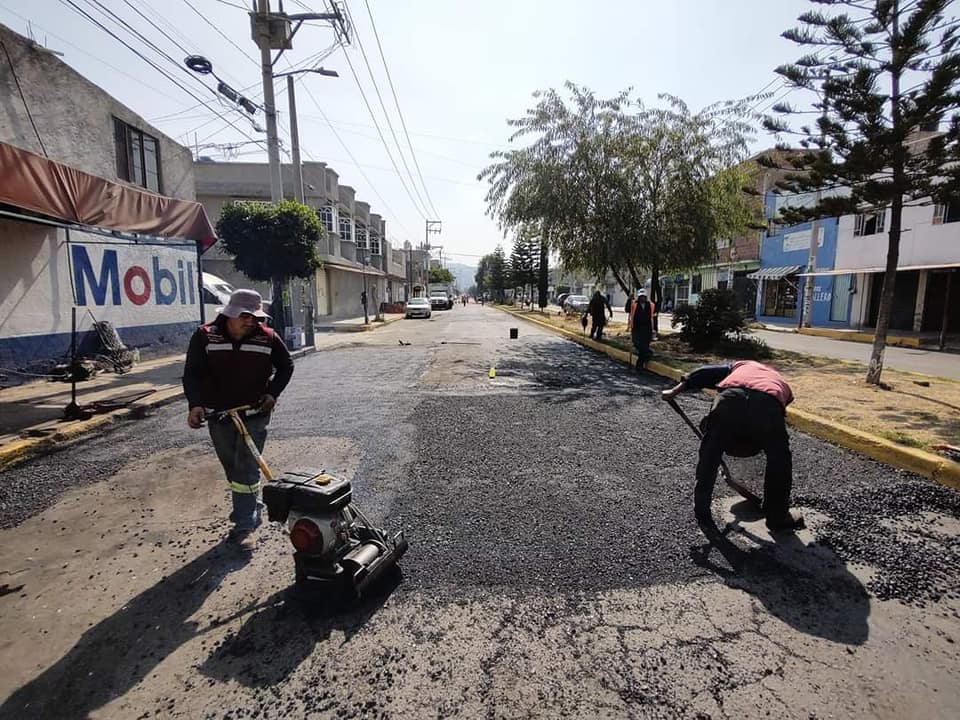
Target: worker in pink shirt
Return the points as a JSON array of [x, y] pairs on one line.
[[748, 416]]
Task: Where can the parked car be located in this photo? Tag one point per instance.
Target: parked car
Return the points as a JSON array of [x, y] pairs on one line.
[[562, 298], [576, 304], [418, 307], [440, 301]]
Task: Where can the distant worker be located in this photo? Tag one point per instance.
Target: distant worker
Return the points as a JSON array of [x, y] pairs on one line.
[[747, 417], [597, 309], [640, 324]]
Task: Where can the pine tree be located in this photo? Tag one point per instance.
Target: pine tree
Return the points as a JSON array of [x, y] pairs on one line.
[[887, 76]]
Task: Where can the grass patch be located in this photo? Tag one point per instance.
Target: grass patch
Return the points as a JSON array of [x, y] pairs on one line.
[[901, 438]]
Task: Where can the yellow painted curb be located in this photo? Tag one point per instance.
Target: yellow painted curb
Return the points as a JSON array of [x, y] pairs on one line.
[[897, 340], [944, 471]]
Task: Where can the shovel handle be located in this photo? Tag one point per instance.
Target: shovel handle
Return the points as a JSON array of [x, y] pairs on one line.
[[724, 470]]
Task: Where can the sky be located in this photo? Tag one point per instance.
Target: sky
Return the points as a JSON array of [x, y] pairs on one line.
[[460, 69]]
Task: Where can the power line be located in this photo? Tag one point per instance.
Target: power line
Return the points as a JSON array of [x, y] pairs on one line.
[[221, 33], [233, 5], [90, 55], [357, 164], [83, 13], [396, 102], [23, 99], [380, 133], [383, 107]]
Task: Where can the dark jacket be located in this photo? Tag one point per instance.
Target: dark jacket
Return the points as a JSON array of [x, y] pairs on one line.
[[221, 373], [598, 308]]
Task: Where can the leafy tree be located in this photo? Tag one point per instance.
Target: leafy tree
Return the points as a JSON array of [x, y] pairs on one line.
[[619, 188], [886, 73], [271, 243], [440, 275], [498, 274]]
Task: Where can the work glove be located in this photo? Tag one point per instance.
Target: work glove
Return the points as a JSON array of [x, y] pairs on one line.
[[266, 404], [195, 418]]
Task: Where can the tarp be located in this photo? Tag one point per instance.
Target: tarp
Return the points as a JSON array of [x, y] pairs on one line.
[[34, 183], [774, 273]]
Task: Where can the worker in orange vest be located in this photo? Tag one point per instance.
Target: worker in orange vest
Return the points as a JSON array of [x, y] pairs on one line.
[[640, 324]]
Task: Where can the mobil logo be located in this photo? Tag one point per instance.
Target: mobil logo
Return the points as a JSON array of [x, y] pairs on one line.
[[167, 282]]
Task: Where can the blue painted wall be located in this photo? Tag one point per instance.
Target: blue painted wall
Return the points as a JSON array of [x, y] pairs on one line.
[[772, 254]]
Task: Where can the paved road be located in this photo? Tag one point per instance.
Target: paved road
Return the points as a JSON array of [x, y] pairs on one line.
[[554, 570]]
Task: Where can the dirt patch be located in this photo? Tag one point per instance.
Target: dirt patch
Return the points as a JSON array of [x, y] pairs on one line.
[[911, 409]]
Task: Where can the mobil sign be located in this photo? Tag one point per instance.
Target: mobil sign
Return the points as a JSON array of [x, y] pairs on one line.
[[136, 284]]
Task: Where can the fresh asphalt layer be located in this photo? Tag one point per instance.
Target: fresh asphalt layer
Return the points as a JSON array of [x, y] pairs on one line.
[[562, 476]]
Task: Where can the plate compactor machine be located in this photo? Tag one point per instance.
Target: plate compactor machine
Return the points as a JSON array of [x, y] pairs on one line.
[[337, 551]]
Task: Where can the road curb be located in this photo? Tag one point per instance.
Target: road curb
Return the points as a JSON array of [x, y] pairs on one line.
[[944, 471], [19, 451], [894, 340]]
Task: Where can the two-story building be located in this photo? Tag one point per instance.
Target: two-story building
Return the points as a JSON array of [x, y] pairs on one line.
[[927, 287], [96, 214], [354, 251]]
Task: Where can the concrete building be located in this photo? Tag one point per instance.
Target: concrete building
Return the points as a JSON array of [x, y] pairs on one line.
[[96, 214], [927, 289], [353, 250]]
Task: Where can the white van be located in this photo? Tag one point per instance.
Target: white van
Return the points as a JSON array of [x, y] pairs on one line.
[[216, 294]]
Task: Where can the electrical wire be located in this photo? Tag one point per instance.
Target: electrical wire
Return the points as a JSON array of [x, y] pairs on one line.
[[382, 138], [23, 99], [84, 14], [221, 33], [396, 102], [383, 107]]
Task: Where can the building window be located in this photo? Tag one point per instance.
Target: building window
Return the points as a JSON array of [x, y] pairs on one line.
[[869, 224], [361, 237], [374, 244], [346, 229], [948, 213], [138, 156], [723, 243], [696, 284], [328, 216]]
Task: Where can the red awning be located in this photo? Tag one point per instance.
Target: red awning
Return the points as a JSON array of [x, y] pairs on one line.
[[34, 183]]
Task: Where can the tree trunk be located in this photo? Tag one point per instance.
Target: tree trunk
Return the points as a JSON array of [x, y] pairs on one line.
[[543, 277], [655, 297], [896, 215], [620, 282], [886, 294], [276, 307]]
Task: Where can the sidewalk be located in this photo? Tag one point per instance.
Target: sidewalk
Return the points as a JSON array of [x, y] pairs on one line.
[[31, 415], [356, 324]]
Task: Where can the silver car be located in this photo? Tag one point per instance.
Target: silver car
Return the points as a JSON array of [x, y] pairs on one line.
[[418, 307], [576, 304]]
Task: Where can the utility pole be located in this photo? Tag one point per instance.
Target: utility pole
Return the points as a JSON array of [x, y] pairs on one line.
[[295, 142], [269, 101], [806, 311]]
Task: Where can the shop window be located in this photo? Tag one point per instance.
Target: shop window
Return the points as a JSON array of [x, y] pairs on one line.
[[869, 223], [138, 156], [696, 284]]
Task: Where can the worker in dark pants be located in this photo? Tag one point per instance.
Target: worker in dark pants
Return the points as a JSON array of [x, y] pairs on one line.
[[598, 310], [748, 416], [640, 324]]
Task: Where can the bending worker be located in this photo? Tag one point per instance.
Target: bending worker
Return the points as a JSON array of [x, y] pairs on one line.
[[749, 415], [230, 362]]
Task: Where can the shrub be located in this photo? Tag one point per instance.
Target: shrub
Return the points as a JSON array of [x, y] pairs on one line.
[[744, 348], [711, 321]]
